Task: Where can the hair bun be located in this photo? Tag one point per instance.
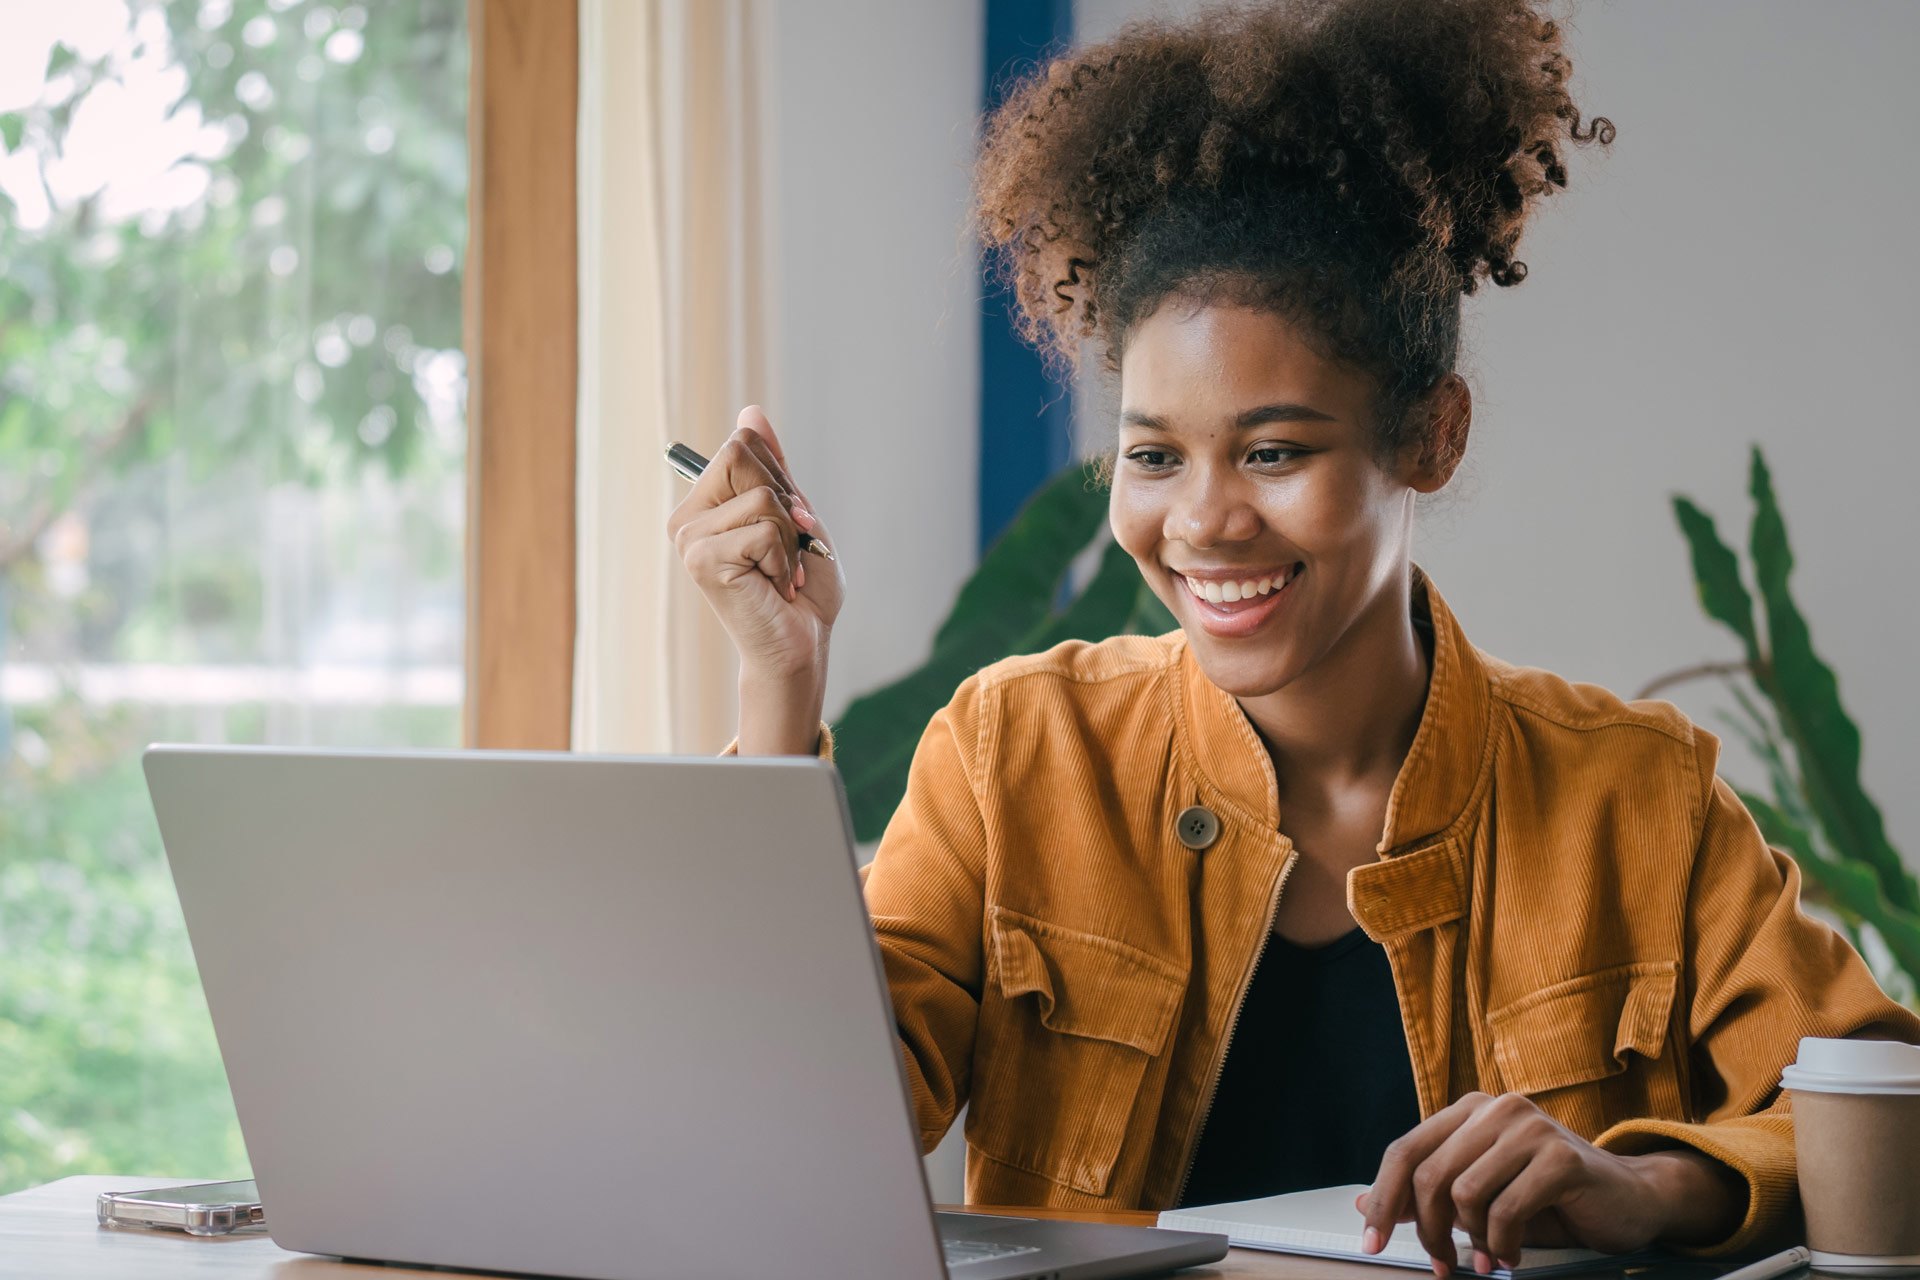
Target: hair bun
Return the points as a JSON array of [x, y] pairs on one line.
[[1418, 134]]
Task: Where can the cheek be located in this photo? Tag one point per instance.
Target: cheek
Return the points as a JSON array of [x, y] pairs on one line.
[[1137, 516], [1342, 513]]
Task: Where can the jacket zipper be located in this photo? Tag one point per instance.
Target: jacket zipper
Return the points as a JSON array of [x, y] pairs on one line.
[[1233, 1025]]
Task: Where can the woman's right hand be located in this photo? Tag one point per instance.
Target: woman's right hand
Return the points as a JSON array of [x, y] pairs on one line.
[[738, 535]]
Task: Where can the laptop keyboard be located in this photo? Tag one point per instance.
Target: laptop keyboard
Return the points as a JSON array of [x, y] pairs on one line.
[[961, 1252]]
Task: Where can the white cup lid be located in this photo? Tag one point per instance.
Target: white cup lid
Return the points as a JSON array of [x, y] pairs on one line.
[[1854, 1066]]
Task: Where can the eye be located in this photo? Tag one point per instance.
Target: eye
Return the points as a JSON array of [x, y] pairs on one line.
[[1151, 459], [1273, 455]]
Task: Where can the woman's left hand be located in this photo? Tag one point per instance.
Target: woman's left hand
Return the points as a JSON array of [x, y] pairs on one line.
[[1507, 1174]]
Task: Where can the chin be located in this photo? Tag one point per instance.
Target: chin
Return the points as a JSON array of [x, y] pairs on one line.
[[1243, 675]]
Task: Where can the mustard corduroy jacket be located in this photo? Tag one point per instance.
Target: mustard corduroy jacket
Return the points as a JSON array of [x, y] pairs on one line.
[[1575, 908]]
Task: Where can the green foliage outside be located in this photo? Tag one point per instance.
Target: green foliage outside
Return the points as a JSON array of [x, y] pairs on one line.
[[280, 308], [1790, 714], [1012, 604], [110, 1060]]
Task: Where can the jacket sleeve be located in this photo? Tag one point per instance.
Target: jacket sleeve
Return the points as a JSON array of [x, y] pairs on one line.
[[925, 892], [1760, 973]]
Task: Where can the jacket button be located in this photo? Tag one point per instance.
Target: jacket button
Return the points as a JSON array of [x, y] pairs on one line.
[[1197, 827]]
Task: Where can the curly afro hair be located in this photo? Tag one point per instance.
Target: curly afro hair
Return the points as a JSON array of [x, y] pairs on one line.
[[1356, 165]]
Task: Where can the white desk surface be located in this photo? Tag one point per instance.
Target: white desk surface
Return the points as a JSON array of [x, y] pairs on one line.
[[51, 1233]]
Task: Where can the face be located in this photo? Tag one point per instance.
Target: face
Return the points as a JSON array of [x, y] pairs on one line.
[[1248, 488]]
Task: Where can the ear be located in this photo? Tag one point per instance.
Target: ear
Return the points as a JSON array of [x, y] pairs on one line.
[[1439, 421]]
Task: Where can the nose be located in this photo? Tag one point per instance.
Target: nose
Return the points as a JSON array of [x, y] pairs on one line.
[[1212, 507]]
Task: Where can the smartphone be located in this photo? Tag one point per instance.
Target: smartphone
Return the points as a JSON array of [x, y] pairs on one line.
[[204, 1209]]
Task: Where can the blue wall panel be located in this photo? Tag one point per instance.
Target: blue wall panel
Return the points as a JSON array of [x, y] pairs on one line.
[[1026, 418]]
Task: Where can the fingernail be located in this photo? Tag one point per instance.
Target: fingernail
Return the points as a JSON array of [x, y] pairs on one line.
[[803, 517], [1441, 1269], [1481, 1262], [1370, 1241], [800, 573]]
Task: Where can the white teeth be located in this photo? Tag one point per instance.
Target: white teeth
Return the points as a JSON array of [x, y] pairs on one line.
[[1233, 592]]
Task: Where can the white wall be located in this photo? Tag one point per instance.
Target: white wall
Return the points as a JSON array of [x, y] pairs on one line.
[[876, 382], [1740, 266]]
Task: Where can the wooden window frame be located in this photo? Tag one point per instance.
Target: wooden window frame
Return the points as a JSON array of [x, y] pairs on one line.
[[522, 344]]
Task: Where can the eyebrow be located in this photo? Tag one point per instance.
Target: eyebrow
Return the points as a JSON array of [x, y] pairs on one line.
[[1266, 413]]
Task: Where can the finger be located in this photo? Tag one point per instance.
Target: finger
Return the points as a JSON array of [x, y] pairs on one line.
[[1480, 1184], [1390, 1200], [757, 506], [1489, 1151], [747, 463], [755, 419], [1435, 1196], [756, 549], [734, 471], [1549, 1175], [770, 461], [759, 503], [794, 501]]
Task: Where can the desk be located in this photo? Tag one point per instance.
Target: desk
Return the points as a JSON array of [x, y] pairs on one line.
[[50, 1233]]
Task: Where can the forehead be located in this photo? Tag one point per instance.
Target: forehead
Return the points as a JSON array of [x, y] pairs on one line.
[[1192, 360]]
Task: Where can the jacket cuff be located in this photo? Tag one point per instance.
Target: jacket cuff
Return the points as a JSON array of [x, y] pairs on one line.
[[825, 750], [1758, 1148]]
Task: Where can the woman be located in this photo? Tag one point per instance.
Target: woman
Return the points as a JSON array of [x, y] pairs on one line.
[[1309, 891]]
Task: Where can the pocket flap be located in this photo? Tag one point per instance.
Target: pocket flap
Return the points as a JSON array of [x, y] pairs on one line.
[[1582, 1029], [1087, 985]]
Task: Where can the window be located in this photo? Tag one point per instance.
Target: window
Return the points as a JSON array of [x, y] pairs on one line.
[[232, 490]]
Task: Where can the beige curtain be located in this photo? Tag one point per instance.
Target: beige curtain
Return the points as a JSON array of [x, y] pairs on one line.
[[673, 341]]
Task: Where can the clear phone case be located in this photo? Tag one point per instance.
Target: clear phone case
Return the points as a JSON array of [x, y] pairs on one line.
[[207, 1209]]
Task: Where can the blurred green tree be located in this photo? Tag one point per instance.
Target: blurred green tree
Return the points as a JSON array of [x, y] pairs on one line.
[[231, 234]]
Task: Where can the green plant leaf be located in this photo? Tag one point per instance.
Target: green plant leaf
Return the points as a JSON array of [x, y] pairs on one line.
[[1101, 610], [1761, 733], [12, 124], [1716, 576], [1853, 886], [1826, 742], [875, 740], [1019, 578]]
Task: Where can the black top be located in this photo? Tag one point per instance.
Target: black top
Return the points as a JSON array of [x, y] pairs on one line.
[[1317, 1079]]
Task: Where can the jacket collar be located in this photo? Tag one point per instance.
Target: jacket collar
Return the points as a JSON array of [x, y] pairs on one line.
[[1442, 770]]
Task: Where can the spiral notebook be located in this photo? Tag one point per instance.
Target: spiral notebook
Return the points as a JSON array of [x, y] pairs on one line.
[[1325, 1224]]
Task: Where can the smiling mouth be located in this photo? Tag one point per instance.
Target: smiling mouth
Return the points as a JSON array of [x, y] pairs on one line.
[[1231, 608], [1218, 592]]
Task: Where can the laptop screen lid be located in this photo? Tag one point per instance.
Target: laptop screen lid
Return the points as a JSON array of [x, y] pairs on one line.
[[594, 1016]]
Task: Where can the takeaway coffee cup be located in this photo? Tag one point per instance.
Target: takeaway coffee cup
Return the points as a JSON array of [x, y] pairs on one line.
[[1856, 1132]]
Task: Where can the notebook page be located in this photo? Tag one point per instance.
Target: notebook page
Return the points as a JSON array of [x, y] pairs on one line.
[[1325, 1222]]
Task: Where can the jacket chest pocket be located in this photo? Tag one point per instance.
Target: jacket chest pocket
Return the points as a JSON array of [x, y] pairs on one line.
[[1068, 1025], [1608, 1031]]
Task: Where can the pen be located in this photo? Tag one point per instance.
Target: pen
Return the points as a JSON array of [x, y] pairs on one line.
[[690, 464], [1778, 1265]]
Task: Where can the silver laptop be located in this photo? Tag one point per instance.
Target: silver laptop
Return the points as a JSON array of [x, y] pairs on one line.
[[616, 1018]]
